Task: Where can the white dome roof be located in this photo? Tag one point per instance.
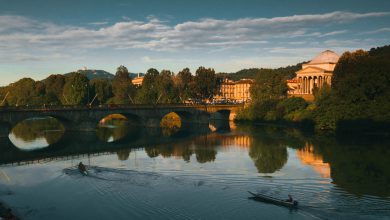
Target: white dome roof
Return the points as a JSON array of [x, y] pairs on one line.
[[327, 56]]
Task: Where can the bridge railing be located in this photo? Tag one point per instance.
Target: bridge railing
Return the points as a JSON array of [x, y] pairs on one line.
[[108, 106]]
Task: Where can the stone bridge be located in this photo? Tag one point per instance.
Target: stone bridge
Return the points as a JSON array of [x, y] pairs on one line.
[[78, 118]]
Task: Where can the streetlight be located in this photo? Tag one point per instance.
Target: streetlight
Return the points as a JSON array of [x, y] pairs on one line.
[[87, 86]]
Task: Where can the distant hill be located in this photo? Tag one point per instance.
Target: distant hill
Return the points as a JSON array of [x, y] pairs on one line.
[[102, 74], [95, 74]]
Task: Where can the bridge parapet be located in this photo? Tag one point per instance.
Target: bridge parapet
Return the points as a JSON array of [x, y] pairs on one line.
[[87, 118]]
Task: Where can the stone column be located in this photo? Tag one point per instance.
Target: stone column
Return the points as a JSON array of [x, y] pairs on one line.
[[319, 82], [311, 85], [300, 85], [307, 85]]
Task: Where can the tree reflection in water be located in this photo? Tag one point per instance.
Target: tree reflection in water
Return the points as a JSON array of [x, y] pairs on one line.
[[359, 165], [203, 147], [123, 154], [34, 129], [269, 152]]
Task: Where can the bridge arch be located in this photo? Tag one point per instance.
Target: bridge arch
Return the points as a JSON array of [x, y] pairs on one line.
[[35, 133], [223, 114], [219, 121], [173, 122], [117, 127]]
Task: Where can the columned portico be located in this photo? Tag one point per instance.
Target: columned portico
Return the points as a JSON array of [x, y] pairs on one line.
[[314, 74]]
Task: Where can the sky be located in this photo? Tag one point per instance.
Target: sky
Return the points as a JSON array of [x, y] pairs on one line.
[[43, 37]]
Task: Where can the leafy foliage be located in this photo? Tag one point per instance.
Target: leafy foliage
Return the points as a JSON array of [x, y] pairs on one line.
[[148, 94], [76, 89], [360, 89], [102, 89], [205, 83], [122, 87], [184, 83], [26, 92], [54, 85]]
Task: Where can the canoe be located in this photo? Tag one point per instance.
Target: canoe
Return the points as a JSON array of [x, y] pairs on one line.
[[84, 172], [273, 200]]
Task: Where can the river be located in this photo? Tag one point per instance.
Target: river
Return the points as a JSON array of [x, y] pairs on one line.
[[138, 173]]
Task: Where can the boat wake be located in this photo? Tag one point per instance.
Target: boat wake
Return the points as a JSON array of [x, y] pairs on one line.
[[114, 174]]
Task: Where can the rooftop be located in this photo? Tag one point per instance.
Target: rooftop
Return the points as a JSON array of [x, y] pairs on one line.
[[326, 56]]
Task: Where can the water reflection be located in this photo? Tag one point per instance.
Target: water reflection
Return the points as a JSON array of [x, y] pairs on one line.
[[113, 129], [361, 168], [308, 156], [170, 124], [201, 147], [36, 133], [123, 154]]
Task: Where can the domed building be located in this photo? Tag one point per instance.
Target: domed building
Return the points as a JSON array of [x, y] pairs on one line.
[[314, 74]]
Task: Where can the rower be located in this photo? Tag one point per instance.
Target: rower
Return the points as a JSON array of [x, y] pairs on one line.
[[290, 199], [82, 167]]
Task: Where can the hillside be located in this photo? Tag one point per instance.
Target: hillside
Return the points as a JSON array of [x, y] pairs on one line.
[[93, 74], [102, 74]]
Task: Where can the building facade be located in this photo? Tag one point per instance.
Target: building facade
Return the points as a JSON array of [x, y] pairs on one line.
[[137, 81], [237, 91], [315, 74]]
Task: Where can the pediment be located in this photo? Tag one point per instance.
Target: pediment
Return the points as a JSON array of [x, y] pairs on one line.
[[311, 69]]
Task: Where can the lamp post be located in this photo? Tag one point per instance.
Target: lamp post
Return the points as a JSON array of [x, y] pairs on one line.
[[87, 86]]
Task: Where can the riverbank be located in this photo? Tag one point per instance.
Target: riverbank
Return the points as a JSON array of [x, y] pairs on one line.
[[345, 128], [6, 213]]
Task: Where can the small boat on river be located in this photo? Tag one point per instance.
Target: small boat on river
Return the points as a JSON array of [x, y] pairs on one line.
[[82, 168], [269, 199]]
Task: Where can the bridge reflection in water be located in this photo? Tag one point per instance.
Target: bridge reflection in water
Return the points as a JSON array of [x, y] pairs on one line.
[[360, 167], [45, 139]]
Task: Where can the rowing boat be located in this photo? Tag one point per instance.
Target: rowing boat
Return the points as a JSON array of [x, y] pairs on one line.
[[273, 200]]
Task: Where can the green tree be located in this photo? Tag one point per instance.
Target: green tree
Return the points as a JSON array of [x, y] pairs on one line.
[[122, 87], [148, 93], [167, 92], [54, 85], [269, 84], [26, 92], [269, 89], [102, 89], [291, 109], [205, 83], [76, 89], [184, 82]]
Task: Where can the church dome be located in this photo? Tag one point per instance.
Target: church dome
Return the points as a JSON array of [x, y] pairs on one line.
[[327, 56]]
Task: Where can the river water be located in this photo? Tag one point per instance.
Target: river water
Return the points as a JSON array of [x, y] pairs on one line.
[[136, 173]]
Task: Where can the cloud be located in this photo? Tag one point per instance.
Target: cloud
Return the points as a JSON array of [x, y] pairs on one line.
[[377, 31], [334, 33], [21, 35], [99, 23]]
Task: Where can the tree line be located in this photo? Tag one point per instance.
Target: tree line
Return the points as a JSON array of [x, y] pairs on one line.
[[359, 98], [76, 89]]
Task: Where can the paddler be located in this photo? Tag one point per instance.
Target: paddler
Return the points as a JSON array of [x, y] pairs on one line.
[[82, 167]]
